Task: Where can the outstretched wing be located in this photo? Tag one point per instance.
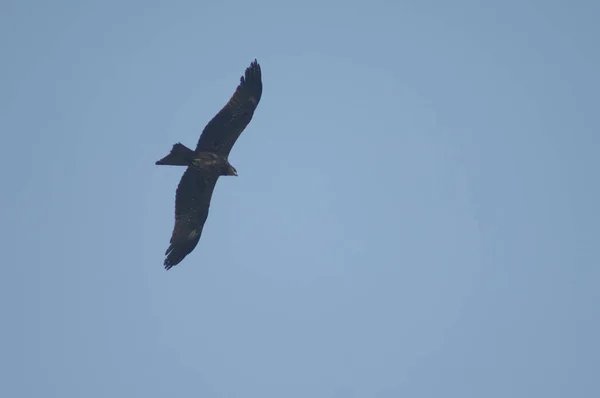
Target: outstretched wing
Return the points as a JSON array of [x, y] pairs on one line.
[[223, 130], [192, 201]]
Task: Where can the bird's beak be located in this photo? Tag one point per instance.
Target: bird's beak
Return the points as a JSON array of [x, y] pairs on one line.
[[234, 172]]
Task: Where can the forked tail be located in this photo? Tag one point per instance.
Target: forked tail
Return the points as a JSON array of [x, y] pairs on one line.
[[180, 155]]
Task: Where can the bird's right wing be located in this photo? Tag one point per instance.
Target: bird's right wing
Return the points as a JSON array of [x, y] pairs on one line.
[[225, 127], [192, 201]]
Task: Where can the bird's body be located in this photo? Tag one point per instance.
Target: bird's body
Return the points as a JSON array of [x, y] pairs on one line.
[[211, 163], [207, 163]]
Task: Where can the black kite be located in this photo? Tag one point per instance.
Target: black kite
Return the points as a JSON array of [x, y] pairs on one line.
[[207, 163]]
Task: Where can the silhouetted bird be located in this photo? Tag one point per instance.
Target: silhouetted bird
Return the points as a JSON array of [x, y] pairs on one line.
[[207, 162]]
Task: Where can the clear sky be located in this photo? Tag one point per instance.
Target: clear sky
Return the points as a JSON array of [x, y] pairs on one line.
[[416, 212]]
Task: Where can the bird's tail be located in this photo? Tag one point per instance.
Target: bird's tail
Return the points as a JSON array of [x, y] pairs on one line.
[[180, 155]]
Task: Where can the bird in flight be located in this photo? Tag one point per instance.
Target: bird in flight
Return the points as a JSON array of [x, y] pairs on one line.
[[207, 163]]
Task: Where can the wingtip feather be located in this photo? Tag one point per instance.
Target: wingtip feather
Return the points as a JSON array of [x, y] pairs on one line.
[[252, 74]]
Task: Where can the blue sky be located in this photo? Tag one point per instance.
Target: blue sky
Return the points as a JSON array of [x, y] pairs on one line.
[[416, 212]]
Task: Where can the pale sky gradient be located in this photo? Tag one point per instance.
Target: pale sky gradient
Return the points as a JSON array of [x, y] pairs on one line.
[[416, 212]]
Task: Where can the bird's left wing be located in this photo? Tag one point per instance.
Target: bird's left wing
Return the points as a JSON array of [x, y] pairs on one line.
[[192, 201]]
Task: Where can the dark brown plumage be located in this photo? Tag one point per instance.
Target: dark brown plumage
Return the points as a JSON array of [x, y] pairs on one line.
[[207, 163]]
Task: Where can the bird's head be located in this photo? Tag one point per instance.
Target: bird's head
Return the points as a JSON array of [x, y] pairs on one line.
[[231, 171]]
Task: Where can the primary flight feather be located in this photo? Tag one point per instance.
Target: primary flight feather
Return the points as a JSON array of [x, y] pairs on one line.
[[207, 163]]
